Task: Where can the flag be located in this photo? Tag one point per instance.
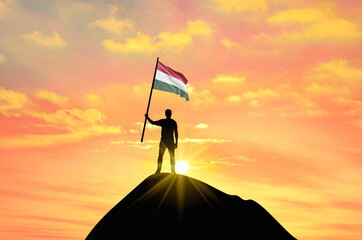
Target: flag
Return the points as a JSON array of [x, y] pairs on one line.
[[169, 80]]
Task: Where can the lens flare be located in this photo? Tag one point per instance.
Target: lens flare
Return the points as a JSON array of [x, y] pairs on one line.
[[182, 167]]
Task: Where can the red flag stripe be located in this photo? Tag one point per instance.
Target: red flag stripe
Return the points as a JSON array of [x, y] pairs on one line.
[[169, 71]]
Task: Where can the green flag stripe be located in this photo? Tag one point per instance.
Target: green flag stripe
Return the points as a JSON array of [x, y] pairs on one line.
[[159, 85]]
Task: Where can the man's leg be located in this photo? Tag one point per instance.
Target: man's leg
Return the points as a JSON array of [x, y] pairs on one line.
[[171, 150], [160, 156]]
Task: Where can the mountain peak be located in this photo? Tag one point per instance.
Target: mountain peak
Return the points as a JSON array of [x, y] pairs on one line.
[[183, 206]]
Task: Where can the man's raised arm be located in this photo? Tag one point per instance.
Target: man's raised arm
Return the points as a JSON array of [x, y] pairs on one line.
[[149, 119]]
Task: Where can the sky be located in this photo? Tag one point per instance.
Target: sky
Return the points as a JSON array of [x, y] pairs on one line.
[[275, 110]]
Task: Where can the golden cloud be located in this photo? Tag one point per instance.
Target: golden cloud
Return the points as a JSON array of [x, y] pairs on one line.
[[253, 103], [173, 41], [338, 69], [93, 98], [227, 43], [168, 41], [354, 106], [302, 16], [232, 161], [334, 30], [261, 93], [327, 89], [201, 126], [147, 144], [142, 43], [149, 126], [52, 97], [33, 140], [336, 78], [300, 106], [12, 102], [71, 119], [349, 102], [200, 98], [198, 27], [136, 144], [54, 41], [233, 99], [318, 24], [79, 124], [238, 158], [112, 24], [228, 79]]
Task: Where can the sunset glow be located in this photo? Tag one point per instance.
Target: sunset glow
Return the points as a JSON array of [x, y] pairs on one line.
[[182, 167], [274, 111]]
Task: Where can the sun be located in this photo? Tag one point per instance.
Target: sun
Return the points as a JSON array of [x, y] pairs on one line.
[[182, 167]]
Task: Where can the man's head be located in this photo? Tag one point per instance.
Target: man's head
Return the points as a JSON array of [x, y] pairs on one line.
[[168, 113]]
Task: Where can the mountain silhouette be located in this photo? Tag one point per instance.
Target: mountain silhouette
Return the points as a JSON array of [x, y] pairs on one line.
[[167, 206]]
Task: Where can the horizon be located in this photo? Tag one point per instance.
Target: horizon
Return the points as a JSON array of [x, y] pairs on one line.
[[274, 111]]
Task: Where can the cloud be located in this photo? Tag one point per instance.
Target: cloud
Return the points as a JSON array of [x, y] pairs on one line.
[[173, 41], [149, 126], [228, 79], [52, 97], [112, 24], [200, 98], [232, 161], [338, 69], [301, 107], [228, 43], [253, 103], [2, 58], [327, 89], [142, 43], [238, 158], [147, 144], [90, 120], [238, 6], [168, 41], [136, 144], [11, 102], [354, 106], [318, 24], [336, 77], [77, 124], [334, 30], [233, 99], [301, 15], [201, 126], [198, 27], [93, 98], [54, 41], [261, 93]]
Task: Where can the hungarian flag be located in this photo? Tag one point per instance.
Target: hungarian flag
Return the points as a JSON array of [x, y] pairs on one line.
[[169, 80]]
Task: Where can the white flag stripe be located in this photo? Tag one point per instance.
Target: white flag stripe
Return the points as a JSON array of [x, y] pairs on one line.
[[161, 76]]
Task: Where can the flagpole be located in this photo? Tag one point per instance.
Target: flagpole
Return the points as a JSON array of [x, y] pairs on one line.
[[149, 101]]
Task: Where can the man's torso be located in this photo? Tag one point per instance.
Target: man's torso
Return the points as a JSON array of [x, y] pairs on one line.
[[168, 127]]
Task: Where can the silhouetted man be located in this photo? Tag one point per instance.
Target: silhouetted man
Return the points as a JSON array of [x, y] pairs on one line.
[[169, 126]]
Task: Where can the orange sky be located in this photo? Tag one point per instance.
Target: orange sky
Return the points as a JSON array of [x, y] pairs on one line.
[[275, 110]]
